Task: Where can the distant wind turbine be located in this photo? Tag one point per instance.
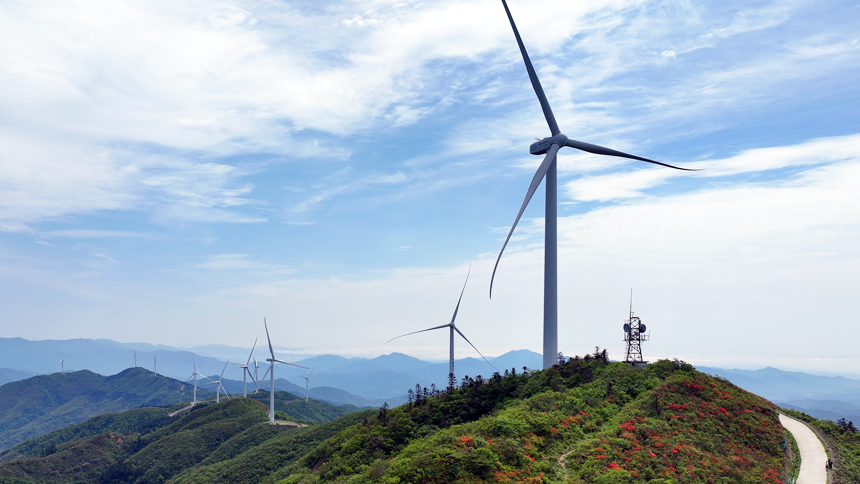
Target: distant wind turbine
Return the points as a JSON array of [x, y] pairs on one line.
[[256, 372], [219, 386], [246, 372], [550, 146], [452, 328], [271, 373], [62, 367], [135, 358], [194, 375], [155, 364], [308, 382]]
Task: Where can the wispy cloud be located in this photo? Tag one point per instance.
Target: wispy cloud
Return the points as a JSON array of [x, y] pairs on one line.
[[239, 262]]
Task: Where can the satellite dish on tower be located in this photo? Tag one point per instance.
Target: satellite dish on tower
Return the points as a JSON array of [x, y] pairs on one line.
[[635, 338]]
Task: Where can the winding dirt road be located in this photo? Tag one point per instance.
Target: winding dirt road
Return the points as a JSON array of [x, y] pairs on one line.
[[813, 457]]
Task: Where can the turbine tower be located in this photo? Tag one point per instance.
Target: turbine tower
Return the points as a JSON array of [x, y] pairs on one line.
[[308, 382], [246, 372], [194, 375], [62, 367], [452, 328], [135, 358], [219, 386], [155, 364], [550, 147], [271, 373]]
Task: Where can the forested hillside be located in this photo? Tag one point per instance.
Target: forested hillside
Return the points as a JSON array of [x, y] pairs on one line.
[[35, 406], [584, 421]]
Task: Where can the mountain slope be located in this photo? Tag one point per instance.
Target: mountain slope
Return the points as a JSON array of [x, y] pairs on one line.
[[586, 421], [32, 407]]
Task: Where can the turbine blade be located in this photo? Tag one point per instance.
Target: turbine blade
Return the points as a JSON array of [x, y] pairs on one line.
[[222, 371], [544, 104], [473, 346], [288, 363], [272, 351], [267, 372], [414, 332], [548, 160], [461, 293], [312, 372], [600, 150], [252, 352]]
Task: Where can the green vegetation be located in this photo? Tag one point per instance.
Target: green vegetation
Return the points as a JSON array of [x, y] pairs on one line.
[[583, 421], [299, 410], [145, 446], [35, 406], [138, 421], [843, 444], [609, 422], [267, 461], [792, 455]]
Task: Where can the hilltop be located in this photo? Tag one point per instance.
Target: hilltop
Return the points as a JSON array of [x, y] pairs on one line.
[[586, 421], [32, 407]]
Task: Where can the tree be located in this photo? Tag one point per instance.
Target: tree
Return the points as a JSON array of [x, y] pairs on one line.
[[410, 395], [560, 359], [383, 412]]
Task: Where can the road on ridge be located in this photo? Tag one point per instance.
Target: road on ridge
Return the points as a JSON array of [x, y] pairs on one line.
[[813, 457]]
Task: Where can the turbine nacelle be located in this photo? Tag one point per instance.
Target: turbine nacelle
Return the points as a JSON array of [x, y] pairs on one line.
[[540, 147]]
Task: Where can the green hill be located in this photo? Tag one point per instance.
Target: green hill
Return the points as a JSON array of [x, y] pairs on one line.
[[586, 421], [35, 406]]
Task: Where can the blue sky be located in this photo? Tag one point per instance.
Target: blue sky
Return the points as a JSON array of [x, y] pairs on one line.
[[172, 172]]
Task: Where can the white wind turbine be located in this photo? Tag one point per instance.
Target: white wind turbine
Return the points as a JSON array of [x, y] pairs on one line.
[[452, 328], [308, 382], [271, 373], [155, 365], [256, 372], [62, 366], [219, 386], [247, 372], [135, 358], [550, 147], [194, 375]]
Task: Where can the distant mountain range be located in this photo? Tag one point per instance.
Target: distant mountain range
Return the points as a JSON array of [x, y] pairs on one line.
[[370, 382]]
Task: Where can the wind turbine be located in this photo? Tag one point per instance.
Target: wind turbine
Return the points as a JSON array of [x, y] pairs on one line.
[[452, 328], [308, 382], [256, 372], [550, 146], [62, 368], [271, 373], [155, 364], [135, 358], [219, 386], [194, 375], [246, 372]]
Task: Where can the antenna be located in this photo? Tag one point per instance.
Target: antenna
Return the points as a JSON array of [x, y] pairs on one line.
[[634, 335]]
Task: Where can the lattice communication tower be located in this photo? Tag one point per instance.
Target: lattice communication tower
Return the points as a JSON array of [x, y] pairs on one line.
[[634, 335]]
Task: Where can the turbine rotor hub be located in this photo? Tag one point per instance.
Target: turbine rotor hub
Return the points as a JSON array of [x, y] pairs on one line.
[[542, 146]]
